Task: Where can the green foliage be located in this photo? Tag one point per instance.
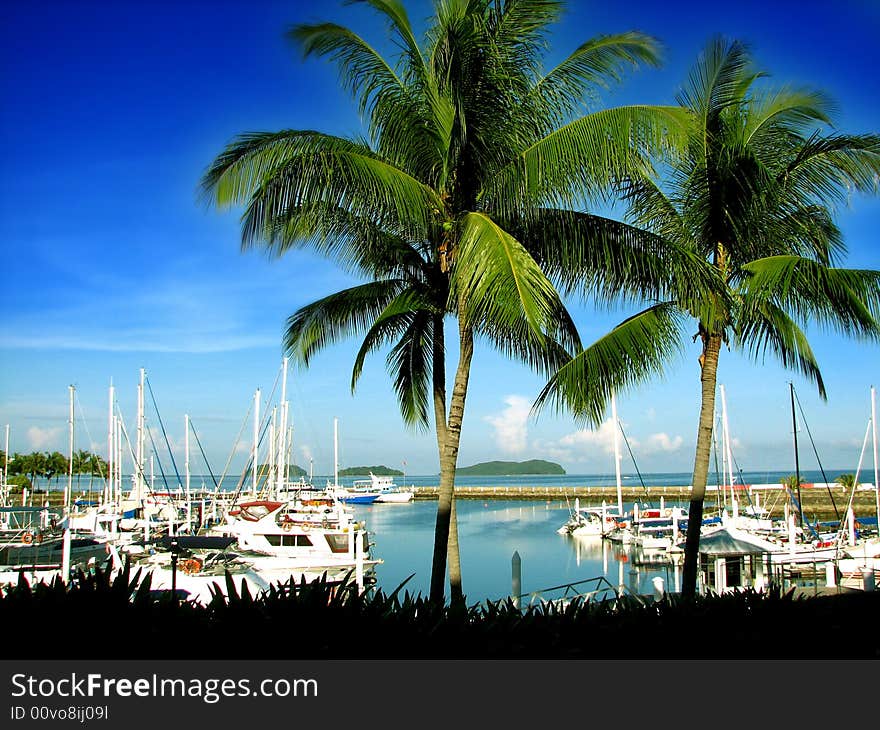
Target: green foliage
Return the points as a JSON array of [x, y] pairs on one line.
[[791, 481], [19, 480], [847, 481], [344, 624], [505, 468], [379, 471], [55, 464]]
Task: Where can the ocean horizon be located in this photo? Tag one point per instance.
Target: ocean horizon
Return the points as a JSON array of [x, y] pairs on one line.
[[629, 480]]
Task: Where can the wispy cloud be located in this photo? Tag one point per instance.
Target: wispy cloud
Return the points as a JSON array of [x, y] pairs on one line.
[[146, 341], [42, 439], [511, 425], [600, 440], [201, 310]]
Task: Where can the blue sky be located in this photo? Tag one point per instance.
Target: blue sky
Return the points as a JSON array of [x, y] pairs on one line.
[[111, 112]]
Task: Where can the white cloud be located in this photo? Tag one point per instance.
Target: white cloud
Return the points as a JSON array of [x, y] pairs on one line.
[[306, 451], [662, 442], [43, 439], [511, 430], [600, 440]]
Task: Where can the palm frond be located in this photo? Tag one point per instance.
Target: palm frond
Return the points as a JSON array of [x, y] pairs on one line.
[[586, 157], [719, 79], [763, 327], [495, 279], [409, 363], [314, 170], [595, 64], [340, 315], [637, 349], [846, 300]]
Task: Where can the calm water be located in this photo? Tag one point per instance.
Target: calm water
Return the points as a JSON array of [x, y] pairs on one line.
[[490, 532]]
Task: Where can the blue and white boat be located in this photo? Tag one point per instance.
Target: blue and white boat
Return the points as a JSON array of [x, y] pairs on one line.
[[353, 494], [385, 486]]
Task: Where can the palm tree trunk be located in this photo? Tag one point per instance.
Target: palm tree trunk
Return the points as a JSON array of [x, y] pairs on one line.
[[708, 378], [445, 543]]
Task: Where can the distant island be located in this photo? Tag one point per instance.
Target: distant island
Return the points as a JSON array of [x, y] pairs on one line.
[[293, 469], [362, 471], [511, 468]]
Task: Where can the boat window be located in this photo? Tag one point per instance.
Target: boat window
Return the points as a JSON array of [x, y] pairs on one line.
[[289, 540]]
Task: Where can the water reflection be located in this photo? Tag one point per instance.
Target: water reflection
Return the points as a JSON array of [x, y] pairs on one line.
[[490, 532]]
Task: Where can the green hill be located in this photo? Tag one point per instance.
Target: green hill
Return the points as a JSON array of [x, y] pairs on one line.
[[511, 468], [363, 471], [295, 471]]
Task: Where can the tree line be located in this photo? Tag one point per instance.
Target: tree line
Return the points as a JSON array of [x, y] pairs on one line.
[[24, 469]]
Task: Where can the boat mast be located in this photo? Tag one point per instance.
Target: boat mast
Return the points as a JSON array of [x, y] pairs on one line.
[[117, 430], [282, 430], [797, 468], [139, 467], [111, 462], [256, 438], [336, 452], [68, 492], [272, 462], [617, 457], [728, 458], [185, 452], [874, 438], [6, 469]]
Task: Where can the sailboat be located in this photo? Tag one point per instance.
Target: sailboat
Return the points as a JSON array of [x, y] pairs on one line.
[[599, 521]]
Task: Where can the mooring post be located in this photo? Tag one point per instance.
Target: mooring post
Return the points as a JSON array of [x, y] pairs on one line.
[[516, 578]]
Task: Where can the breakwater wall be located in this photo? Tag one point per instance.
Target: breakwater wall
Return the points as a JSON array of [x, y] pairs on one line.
[[820, 501]]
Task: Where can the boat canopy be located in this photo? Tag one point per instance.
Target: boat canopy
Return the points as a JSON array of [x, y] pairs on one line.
[[722, 543]]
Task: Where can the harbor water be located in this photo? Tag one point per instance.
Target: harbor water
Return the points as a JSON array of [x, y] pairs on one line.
[[490, 533]]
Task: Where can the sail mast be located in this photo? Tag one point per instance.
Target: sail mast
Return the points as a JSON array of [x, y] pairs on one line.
[[874, 438], [336, 452], [254, 470], [797, 468], [68, 492], [617, 457]]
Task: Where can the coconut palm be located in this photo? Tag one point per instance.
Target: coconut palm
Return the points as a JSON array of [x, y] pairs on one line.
[[469, 141], [753, 194], [847, 481]]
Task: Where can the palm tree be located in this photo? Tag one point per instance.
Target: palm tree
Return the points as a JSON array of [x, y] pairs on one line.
[[752, 194], [846, 481], [469, 141], [32, 465], [81, 464]]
